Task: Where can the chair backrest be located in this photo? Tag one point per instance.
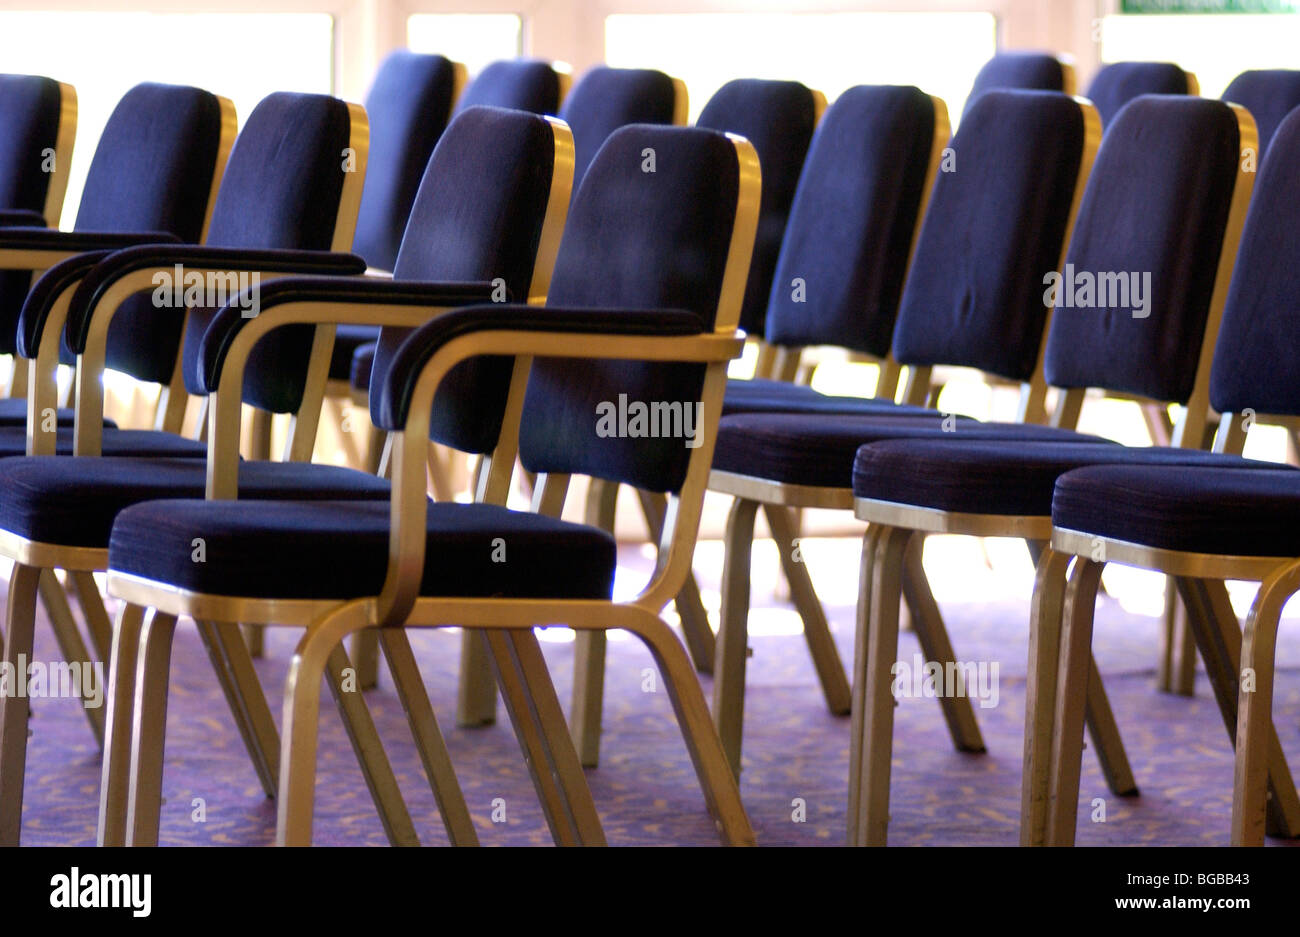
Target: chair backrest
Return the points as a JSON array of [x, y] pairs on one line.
[[153, 170], [995, 225], [1255, 362], [1021, 71], [288, 185], [1133, 303], [523, 84], [605, 99], [778, 118], [1116, 84], [1269, 95], [408, 106], [479, 215], [844, 256], [636, 240], [39, 118]]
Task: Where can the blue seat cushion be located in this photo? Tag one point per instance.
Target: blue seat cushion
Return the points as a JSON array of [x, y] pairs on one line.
[[347, 339], [1232, 512], [118, 442], [998, 477], [73, 501], [339, 550], [763, 395], [13, 412], [798, 449]]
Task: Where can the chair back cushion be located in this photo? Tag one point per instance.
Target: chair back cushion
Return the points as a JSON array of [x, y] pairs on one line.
[[1012, 71], [608, 98], [522, 84], [1148, 236], [1269, 95], [1116, 84], [844, 256]]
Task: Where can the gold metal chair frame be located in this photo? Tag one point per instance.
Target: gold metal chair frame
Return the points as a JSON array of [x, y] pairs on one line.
[[508, 623], [35, 562]]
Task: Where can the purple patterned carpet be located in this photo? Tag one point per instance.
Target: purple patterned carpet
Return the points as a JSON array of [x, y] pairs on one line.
[[645, 788]]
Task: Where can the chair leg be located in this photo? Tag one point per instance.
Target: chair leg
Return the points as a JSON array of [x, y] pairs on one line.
[[115, 776], [369, 749], [149, 725], [816, 629], [1104, 732], [589, 646], [1252, 767], [690, 607], [364, 652], [927, 623], [532, 741], [732, 648], [716, 777], [1040, 694], [1071, 700], [1176, 666], [1214, 623], [234, 669], [20, 617], [428, 739], [476, 700], [68, 636], [879, 631], [870, 541], [92, 609]]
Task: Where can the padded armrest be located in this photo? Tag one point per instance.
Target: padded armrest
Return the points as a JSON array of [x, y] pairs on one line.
[[144, 257], [352, 290], [21, 218], [416, 352], [52, 239], [36, 308]]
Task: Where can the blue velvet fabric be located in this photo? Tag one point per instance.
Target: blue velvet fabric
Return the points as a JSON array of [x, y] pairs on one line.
[[151, 171], [1154, 212], [1012, 478], [348, 340], [117, 442], [1116, 84], [281, 190], [13, 412], [1016, 71], [477, 218], [409, 104], [73, 501], [363, 360], [993, 228], [338, 550], [763, 395], [634, 240], [1269, 95], [797, 449], [29, 112], [520, 84], [1255, 359], [778, 117], [608, 98], [1222, 511], [852, 222]]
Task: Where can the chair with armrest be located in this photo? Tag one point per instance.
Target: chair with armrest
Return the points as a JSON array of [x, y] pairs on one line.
[[648, 282]]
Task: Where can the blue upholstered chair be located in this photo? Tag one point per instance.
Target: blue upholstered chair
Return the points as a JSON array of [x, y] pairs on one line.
[[409, 104], [1201, 526], [522, 84], [1023, 71], [151, 179], [973, 298], [838, 279], [647, 288], [1269, 95], [285, 199], [1116, 84], [605, 99], [1169, 175]]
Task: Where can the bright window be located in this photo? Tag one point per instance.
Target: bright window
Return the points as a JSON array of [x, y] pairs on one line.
[[938, 52], [1216, 47], [473, 39], [241, 56]]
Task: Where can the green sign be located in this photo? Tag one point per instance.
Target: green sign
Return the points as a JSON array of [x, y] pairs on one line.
[[1209, 6]]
